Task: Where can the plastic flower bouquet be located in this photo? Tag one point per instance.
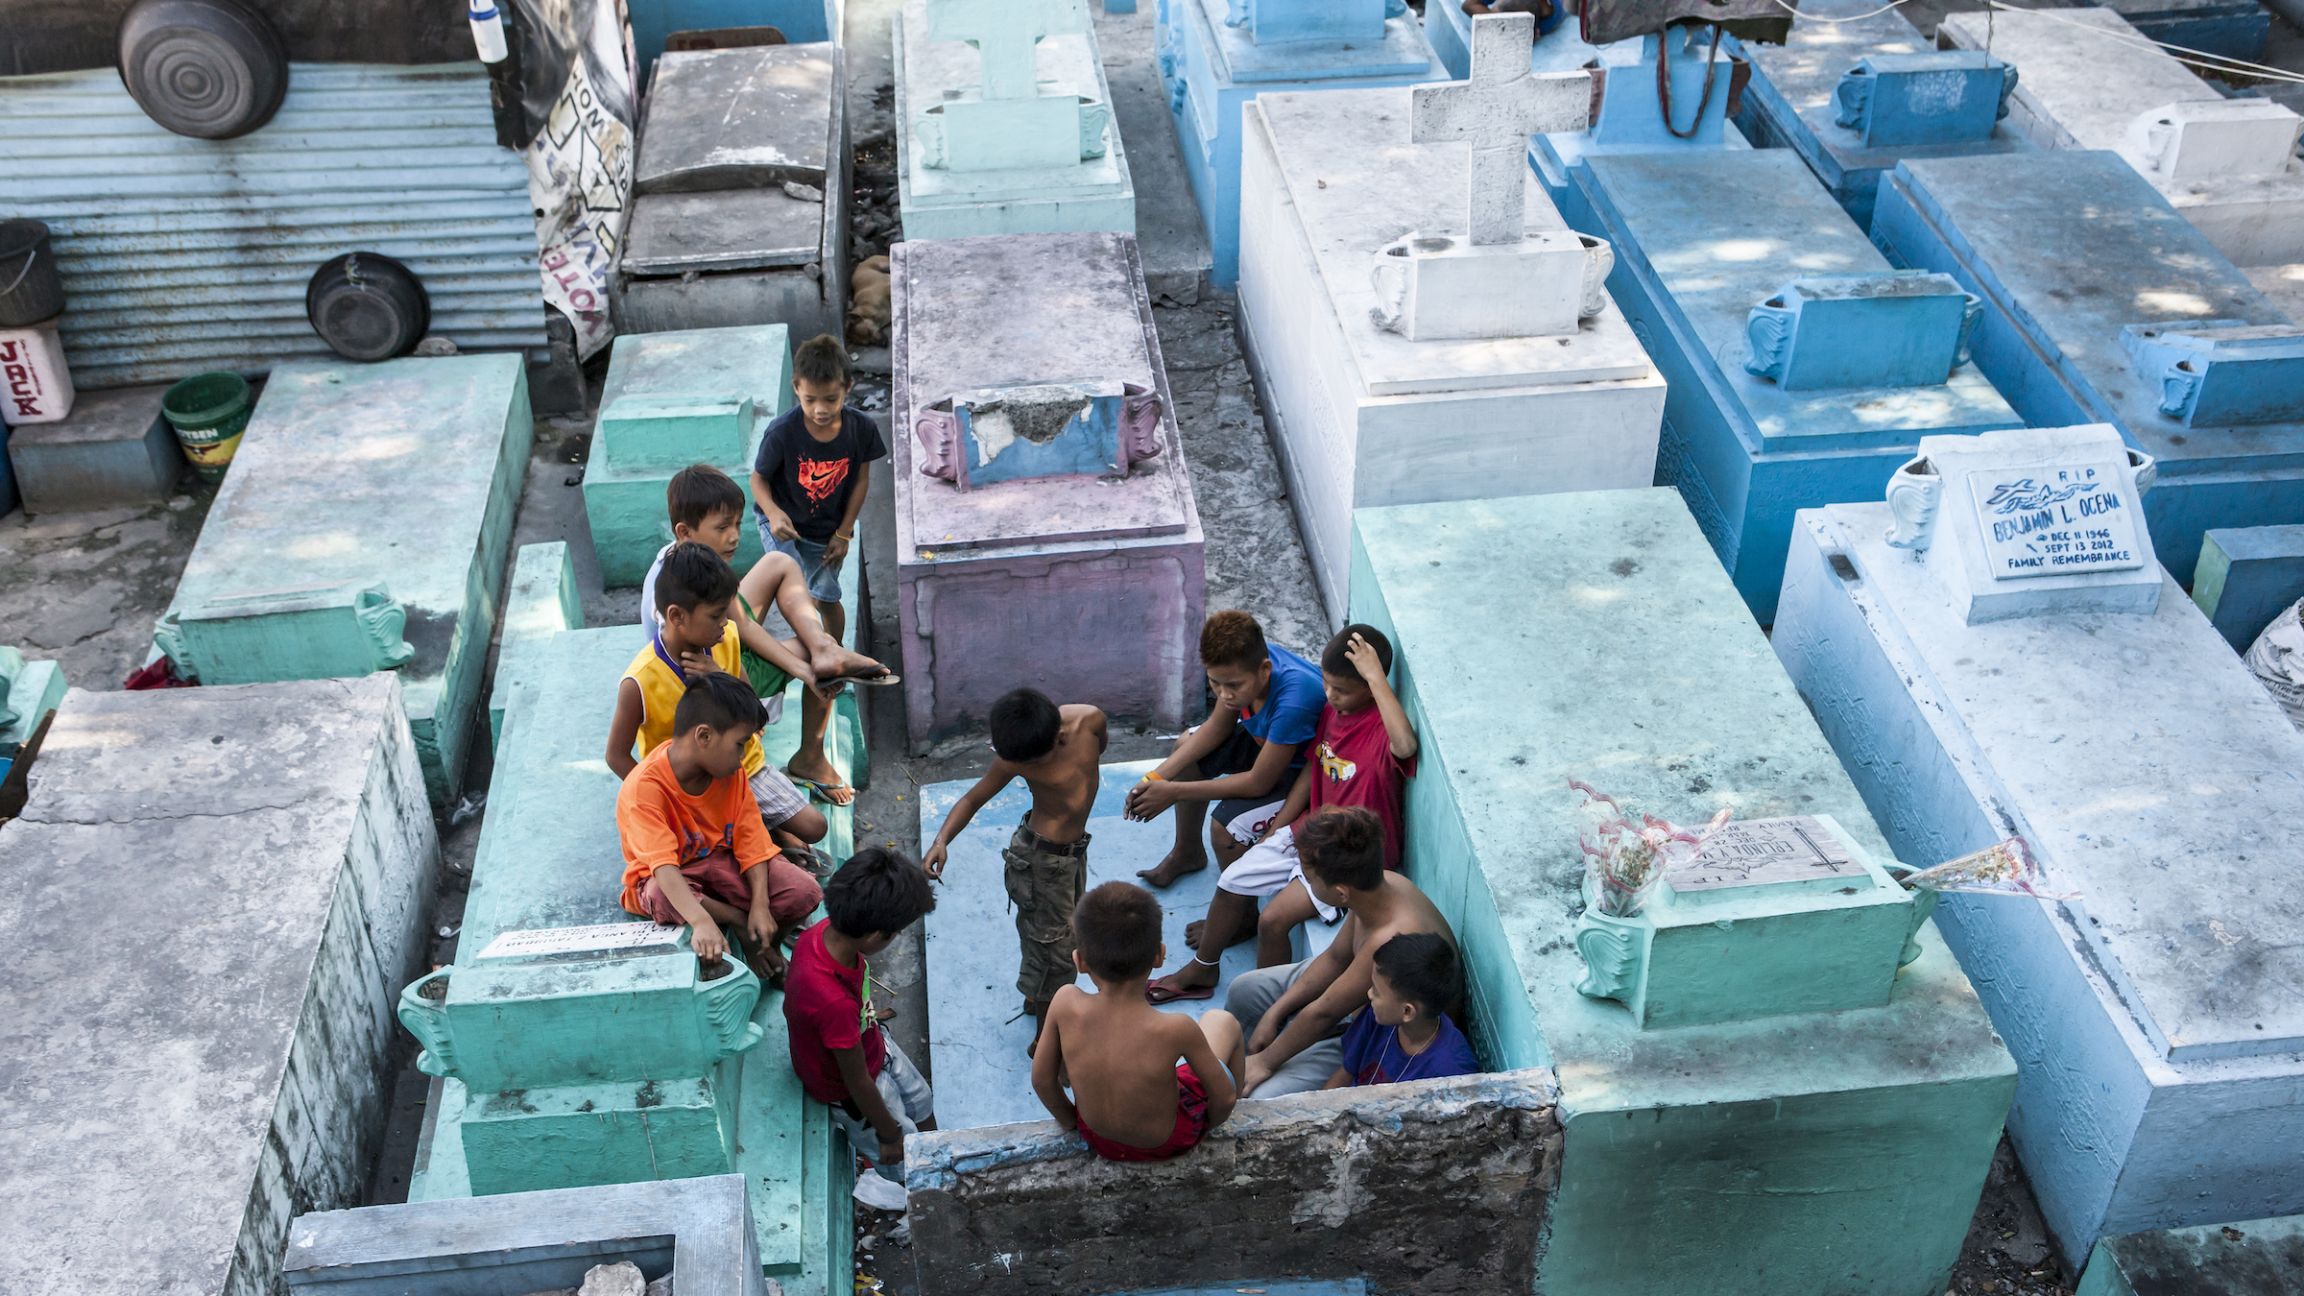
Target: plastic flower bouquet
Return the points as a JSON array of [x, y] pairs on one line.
[[1627, 853]]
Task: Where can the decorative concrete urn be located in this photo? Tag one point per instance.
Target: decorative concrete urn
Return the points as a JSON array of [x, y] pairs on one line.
[[1614, 950]]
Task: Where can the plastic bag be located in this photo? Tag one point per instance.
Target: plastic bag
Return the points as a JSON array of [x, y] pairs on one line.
[[2277, 658]]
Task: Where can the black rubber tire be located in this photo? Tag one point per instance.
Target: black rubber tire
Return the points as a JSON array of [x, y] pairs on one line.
[[210, 69], [367, 307]]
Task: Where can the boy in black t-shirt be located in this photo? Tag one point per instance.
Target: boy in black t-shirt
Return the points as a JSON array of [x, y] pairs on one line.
[[808, 485]]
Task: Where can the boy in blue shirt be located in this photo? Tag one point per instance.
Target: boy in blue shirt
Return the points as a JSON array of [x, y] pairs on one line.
[[1405, 1034]]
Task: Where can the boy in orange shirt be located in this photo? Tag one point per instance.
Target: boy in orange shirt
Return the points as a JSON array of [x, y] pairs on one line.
[[694, 845]]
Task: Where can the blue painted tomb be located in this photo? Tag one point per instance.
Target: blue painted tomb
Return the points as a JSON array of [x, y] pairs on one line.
[[2103, 305], [1855, 87], [1216, 55]]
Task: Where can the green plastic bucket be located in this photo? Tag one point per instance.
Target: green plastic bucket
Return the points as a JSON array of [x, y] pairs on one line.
[[209, 412]]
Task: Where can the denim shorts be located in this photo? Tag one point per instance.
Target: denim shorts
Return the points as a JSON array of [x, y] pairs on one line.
[[823, 578]]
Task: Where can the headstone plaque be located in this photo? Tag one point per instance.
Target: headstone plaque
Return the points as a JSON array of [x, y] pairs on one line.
[[597, 938], [1766, 852], [2055, 520]]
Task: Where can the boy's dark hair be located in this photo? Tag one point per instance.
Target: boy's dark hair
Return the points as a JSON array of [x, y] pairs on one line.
[[1232, 638], [1024, 725], [699, 491], [691, 576], [721, 701], [1116, 928], [1345, 846], [821, 359], [1421, 966], [1334, 662], [879, 891]]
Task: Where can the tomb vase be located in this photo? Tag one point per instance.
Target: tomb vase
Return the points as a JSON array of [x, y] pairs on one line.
[[1768, 335], [1924, 901], [1095, 120], [1614, 949], [1599, 261], [938, 432], [423, 1011], [2143, 470], [1914, 495], [1389, 275], [729, 990]]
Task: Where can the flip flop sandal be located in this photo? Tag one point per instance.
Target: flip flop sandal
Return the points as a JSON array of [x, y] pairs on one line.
[[1160, 994], [881, 680], [821, 790]]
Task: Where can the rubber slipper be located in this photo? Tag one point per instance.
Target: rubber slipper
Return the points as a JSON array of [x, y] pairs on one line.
[[1159, 994], [821, 790], [886, 676]]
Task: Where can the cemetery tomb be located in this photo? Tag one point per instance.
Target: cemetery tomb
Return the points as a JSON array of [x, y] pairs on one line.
[[2246, 577], [671, 400], [740, 206], [1800, 367], [1996, 653], [365, 525], [29, 694], [113, 451], [1631, 116], [540, 600], [1046, 531], [209, 1051], [1004, 121], [2262, 1257], [1449, 29], [1421, 324], [1216, 55], [2284, 284], [1855, 87], [2090, 81], [978, 1041], [697, 22], [2234, 29], [692, 1231], [2102, 305], [1812, 1116], [576, 1045]]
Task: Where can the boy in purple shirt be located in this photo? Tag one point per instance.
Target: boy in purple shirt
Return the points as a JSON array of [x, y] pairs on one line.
[[1405, 1033]]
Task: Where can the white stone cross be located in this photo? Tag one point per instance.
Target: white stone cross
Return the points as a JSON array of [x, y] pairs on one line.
[[1495, 112], [1007, 36]]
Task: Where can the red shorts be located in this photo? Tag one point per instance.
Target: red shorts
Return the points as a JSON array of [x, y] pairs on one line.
[[792, 893], [1191, 1125]]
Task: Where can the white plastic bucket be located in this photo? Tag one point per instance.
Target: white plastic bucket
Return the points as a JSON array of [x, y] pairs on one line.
[[35, 383]]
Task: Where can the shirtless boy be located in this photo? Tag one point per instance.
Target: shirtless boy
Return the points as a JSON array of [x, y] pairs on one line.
[[1131, 1099], [1055, 751], [1295, 1015]]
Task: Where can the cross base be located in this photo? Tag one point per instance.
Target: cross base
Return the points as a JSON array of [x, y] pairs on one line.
[[1008, 134], [1436, 287]]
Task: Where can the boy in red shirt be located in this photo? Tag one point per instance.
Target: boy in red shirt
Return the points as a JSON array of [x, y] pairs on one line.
[[1363, 754], [839, 1050], [692, 836]]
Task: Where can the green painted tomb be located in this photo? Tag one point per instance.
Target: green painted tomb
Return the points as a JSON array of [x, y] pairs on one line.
[[540, 601], [29, 690], [671, 400], [1795, 1116], [364, 526], [2262, 1257]]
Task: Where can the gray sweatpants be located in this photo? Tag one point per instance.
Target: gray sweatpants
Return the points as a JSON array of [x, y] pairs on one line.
[[1253, 995]]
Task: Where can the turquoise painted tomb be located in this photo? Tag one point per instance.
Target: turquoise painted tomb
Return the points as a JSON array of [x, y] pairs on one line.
[[671, 400], [575, 1045], [2103, 305], [1855, 87], [2262, 1257], [1216, 55], [30, 692], [1995, 652], [1805, 1119], [1004, 121], [366, 525], [2246, 577]]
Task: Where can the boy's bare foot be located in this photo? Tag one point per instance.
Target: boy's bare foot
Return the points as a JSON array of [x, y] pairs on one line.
[[1193, 929], [1174, 865], [1194, 980], [818, 778]]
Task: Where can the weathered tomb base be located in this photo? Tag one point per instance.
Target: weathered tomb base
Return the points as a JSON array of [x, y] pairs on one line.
[[2246, 577], [1439, 1188], [115, 450], [2251, 1258]]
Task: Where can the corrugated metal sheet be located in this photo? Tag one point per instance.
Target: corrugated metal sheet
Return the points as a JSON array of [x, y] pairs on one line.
[[181, 254]]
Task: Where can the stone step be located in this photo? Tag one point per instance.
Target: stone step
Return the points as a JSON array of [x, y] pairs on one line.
[[113, 451]]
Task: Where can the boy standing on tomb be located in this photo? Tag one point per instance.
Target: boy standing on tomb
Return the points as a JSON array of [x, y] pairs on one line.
[[1242, 758], [1364, 753], [840, 1050], [1055, 751], [809, 482], [695, 851], [696, 641], [1405, 1032], [1132, 1098]]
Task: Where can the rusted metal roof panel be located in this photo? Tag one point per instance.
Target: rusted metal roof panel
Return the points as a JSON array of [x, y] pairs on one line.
[[182, 254]]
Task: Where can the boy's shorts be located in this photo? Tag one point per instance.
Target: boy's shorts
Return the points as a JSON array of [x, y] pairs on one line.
[[823, 577], [792, 893], [1267, 869], [767, 679], [1045, 880], [909, 1100], [1244, 817], [779, 797]]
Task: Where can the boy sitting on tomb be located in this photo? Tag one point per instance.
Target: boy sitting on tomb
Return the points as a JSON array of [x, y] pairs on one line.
[[809, 481], [1295, 1014], [697, 641], [1364, 752], [1245, 755], [1119, 1054], [840, 1050], [1405, 1033], [1054, 750], [707, 508], [695, 851]]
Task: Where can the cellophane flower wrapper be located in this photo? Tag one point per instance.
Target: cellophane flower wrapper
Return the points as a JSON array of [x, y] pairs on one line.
[[2003, 868], [1627, 853]]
